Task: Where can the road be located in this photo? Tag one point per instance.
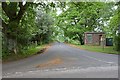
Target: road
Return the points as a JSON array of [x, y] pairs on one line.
[[64, 61]]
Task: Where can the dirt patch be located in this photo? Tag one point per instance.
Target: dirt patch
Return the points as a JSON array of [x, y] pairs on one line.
[[41, 51], [44, 49], [53, 62], [47, 47]]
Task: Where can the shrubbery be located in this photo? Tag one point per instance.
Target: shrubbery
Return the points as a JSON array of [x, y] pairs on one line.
[[117, 42]]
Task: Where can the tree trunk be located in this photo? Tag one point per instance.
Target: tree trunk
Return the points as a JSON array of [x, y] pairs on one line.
[[10, 29], [80, 38]]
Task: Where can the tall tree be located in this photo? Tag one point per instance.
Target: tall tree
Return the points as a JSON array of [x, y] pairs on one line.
[[79, 17], [13, 12]]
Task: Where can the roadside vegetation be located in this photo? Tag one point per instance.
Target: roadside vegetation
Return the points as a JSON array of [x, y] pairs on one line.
[[25, 24], [27, 53], [105, 49]]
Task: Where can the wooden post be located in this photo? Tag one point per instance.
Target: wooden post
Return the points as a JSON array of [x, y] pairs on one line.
[[103, 41]]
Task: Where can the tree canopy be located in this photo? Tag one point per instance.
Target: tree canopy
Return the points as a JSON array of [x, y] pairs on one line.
[[79, 17], [43, 22]]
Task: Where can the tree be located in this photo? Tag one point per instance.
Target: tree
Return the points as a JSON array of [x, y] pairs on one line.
[[43, 23], [80, 17], [115, 23], [24, 24], [13, 13]]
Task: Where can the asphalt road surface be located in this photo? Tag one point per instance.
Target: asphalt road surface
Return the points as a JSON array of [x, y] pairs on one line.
[[63, 61]]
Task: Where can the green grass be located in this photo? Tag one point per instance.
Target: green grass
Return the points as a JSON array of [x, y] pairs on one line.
[[34, 50], [27, 53], [106, 49]]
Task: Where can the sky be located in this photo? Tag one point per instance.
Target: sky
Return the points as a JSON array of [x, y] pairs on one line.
[[59, 11]]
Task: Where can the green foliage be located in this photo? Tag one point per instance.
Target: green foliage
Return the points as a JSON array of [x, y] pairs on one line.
[[33, 27], [39, 23], [80, 17], [27, 27], [114, 24], [117, 42], [32, 50]]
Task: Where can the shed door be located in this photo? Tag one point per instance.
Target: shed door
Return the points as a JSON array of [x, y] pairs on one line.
[[89, 38]]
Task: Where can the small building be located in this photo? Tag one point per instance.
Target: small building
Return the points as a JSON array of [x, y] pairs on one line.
[[94, 38]]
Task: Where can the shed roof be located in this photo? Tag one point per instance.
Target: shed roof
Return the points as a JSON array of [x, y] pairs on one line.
[[94, 33]]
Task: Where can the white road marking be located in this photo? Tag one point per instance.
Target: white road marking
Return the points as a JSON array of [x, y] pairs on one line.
[[65, 70]]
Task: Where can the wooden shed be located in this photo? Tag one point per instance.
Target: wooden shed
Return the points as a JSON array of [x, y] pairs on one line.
[[94, 38]]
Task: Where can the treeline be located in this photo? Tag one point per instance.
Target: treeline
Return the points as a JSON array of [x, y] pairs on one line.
[[24, 25], [28, 24], [79, 17]]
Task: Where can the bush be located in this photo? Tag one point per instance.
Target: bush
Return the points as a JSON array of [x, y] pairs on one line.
[[117, 42], [76, 42]]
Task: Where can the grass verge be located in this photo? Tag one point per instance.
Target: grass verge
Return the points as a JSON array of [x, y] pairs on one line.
[[27, 53], [106, 49]]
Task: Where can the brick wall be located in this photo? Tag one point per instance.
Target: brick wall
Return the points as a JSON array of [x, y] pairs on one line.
[[96, 38]]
